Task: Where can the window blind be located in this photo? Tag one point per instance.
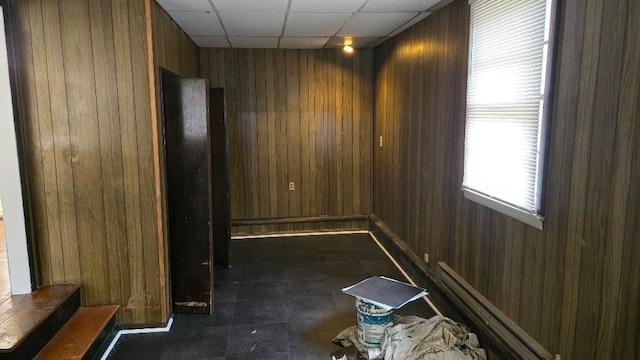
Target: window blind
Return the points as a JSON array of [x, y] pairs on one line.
[[505, 100]]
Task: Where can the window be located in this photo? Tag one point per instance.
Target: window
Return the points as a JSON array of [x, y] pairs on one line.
[[506, 107]]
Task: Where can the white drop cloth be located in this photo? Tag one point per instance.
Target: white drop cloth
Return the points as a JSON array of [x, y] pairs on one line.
[[415, 338]]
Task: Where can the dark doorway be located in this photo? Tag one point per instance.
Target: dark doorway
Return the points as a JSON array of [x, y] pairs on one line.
[[220, 176], [187, 145]]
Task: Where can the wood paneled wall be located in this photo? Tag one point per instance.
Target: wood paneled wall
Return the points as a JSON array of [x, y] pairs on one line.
[[296, 115], [573, 286], [84, 69], [173, 49]]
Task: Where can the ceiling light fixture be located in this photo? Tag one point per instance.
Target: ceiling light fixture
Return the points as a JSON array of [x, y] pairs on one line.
[[348, 45]]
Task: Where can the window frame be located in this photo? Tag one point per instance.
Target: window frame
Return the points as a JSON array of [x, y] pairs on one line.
[[536, 219]]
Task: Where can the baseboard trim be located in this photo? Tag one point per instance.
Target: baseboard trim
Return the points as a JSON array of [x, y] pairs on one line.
[[413, 266], [510, 340], [297, 220], [146, 330], [500, 335], [299, 225], [299, 234]]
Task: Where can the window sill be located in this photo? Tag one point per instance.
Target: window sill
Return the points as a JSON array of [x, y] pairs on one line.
[[530, 219]]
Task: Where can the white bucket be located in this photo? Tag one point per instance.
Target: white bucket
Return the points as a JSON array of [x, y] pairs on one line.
[[372, 320]]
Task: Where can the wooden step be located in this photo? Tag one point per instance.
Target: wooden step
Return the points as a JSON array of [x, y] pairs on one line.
[[82, 335], [28, 322]]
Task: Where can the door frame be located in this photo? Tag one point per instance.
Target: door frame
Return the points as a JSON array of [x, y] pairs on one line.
[[17, 202]]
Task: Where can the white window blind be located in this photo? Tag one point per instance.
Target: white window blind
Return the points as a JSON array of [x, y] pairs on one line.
[[505, 105]]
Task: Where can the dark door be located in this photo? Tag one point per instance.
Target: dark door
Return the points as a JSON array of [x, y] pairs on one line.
[[188, 159], [220, 176]]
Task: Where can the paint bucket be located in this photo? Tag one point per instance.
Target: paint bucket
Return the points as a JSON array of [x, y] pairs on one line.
[[372, 321]]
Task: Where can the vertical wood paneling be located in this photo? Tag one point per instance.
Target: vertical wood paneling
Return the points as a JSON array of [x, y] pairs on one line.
[[573, 286], [110, 145], [85, 80], [85, 147], [626, 169], [296, 115]]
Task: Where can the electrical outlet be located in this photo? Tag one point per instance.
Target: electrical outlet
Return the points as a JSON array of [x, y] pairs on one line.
[[426, 257], [292, 186]]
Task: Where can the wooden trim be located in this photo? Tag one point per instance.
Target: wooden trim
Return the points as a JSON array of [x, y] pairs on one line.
[[296, 220], [156, 160]]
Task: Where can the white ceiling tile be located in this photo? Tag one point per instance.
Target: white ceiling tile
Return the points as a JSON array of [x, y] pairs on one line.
[[314, 24], [182, 5], [254, 42], [398, 5], [410, 23], [357, 42], [349, 6], [253, 24], [251, 5], [210, 41], [303, 42], [198, 23], [375, 24]]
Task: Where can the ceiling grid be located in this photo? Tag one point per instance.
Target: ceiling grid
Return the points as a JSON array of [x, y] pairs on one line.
[[299, 24]]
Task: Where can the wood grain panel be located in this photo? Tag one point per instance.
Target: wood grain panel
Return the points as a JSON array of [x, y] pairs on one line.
[[572, 286], [296, 115], [80, 86], [92, 161]]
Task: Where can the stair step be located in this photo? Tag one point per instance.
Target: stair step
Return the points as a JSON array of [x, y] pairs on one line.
[[28, 322], [82, 335]]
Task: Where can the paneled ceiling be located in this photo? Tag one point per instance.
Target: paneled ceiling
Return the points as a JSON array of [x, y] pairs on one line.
[[295, 24]]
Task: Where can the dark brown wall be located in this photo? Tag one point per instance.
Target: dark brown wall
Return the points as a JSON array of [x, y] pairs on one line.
[[296, 115], [92, 153], [573, 286]]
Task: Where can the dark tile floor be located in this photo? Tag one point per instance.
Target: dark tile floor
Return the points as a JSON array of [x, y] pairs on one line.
[[281, 300]]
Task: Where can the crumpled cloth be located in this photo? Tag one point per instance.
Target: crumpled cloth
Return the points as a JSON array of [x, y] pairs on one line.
[[415, 338]]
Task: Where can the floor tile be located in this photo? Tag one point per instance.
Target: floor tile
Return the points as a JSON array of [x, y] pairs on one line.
[[206, 342], [281, 300], [383, 268], [142, 346], [261, 290], [302, 271], [259, 312], [341, 268], [225, 291], [312, 339], [309, 308], [337, 255], [307, 287], [224, 274], [282, 356], [222, 315], [258, 339], [261, 272]]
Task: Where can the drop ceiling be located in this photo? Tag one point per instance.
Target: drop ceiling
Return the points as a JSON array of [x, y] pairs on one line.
[[295, 24]]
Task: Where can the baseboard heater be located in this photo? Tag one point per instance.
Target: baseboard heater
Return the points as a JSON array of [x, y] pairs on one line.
[[507, 339]]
